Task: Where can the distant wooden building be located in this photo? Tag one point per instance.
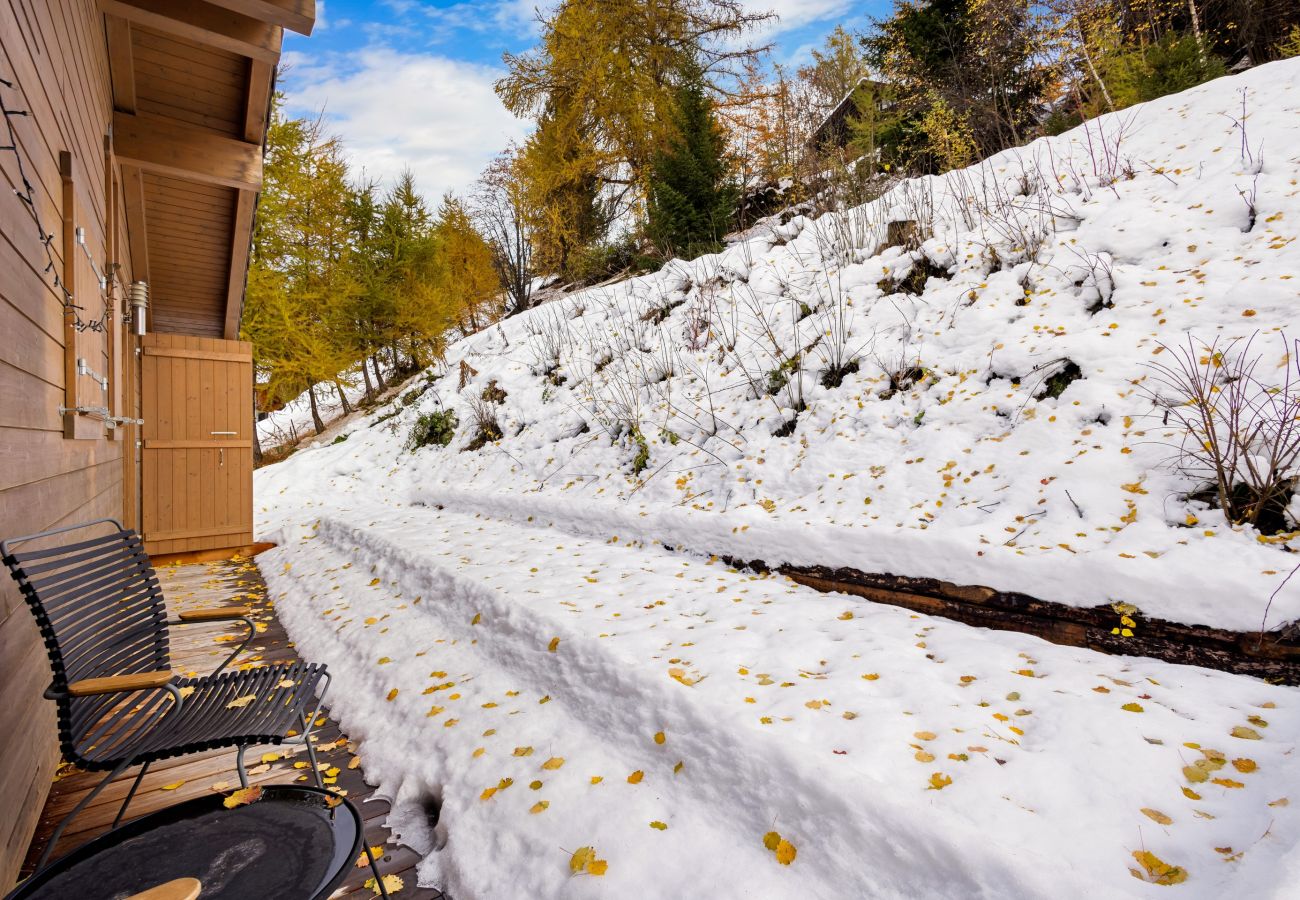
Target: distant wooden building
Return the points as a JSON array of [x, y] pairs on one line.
[[833, 130], [132, 177]]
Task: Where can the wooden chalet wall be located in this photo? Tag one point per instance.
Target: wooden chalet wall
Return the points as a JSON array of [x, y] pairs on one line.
[[53, 53], [142, 141]]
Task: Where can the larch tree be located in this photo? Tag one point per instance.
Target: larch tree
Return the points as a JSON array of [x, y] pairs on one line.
[[603, 74]]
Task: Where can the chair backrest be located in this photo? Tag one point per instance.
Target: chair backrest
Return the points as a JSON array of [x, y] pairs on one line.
[[96, 600]]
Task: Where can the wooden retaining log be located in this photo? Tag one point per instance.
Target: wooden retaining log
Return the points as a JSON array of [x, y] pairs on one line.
[[1273, 656]]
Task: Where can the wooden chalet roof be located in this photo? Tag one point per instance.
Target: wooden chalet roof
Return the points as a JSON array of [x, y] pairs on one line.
[[192, 83]]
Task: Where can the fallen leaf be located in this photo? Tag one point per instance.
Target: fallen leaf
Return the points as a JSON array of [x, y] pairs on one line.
[[659, 826], [241, 702], [939, 781], [1244, 765], [553, 763], [392, 695], [1132, 707], [1157, 870], [553, 645], [785, 852], [1246, 734], [539, 806], [243, 797], [392, 884], [635, 777], [1156, 815], [173, 786], [659, 737], [523, 751]]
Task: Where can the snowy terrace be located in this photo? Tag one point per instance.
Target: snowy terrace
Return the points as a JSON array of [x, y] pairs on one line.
[[597, 715]]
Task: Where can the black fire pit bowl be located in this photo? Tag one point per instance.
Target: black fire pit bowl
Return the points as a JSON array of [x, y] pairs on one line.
[[293, 843]]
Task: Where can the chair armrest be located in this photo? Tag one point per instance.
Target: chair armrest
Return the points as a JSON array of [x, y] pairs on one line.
[[216, 614], [89, 687]]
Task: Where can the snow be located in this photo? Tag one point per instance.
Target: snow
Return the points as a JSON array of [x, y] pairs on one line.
[[524, 595]]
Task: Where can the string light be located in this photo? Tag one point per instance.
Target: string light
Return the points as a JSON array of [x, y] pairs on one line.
[[27, 194]]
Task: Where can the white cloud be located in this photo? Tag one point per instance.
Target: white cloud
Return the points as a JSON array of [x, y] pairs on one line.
[[435, 115], [794, 14]]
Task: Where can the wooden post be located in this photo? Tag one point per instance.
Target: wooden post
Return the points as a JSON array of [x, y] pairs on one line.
[[69, 279]]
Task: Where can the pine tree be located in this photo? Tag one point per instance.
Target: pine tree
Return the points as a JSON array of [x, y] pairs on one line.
[[692, 198]]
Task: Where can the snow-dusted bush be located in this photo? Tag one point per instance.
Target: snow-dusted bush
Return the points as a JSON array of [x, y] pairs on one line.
[[1237, 434], [435, 428]]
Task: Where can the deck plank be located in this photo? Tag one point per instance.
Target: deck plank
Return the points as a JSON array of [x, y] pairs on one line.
[[200, 648]]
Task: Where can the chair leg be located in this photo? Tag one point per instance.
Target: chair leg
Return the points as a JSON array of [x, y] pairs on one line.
[[239, 766], [58, 831], [311, 754], [135, 785], [374, 867]]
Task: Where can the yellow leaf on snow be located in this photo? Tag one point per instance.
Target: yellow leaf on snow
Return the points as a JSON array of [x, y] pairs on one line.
[[553, 763], [539, 806], [939, 781], [784, 850], [384, 660], [373, 582], [1246, 734], [924, 735], [635, 777], [659, 737], [392, 695], [1245, 766], [523, 751], [659, 826], [553, 645], [1157, 870], [1156, 815], [1133, 707], [584, 860]]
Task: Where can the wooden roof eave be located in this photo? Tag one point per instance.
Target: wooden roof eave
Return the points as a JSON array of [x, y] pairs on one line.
[[144, 142]]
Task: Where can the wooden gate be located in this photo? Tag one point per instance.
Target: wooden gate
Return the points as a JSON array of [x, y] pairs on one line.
[[197, 479]]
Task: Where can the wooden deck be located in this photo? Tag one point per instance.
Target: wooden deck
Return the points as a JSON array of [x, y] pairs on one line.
[[198, 649]]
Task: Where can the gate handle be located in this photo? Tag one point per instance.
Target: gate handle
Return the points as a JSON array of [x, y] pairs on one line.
[[223, 432]]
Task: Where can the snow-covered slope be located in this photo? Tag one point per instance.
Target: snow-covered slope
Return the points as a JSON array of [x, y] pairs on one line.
[[961, 474], [493, 610]]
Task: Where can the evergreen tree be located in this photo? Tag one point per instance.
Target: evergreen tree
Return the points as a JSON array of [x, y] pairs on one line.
[[692, 197]]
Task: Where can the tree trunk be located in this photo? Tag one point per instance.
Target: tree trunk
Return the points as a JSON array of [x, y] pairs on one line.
[[1196, 30], [315, 412], [379, 376], [343, 398], [257, 441], [1092, 69], [370, 389]]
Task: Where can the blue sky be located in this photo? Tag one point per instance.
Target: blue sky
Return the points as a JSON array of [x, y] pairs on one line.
[[408, 83]]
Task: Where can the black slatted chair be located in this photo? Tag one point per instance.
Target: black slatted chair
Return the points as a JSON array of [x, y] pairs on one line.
[[101, 613]]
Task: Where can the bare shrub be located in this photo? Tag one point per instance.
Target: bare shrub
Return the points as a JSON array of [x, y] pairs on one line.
[[1238, 433], [483, 419]]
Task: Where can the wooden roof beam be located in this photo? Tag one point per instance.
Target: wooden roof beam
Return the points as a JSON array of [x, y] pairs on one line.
[[257, 100], [242, 229], [159, 144], [121, 63], [296, 15], [203, 23]]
